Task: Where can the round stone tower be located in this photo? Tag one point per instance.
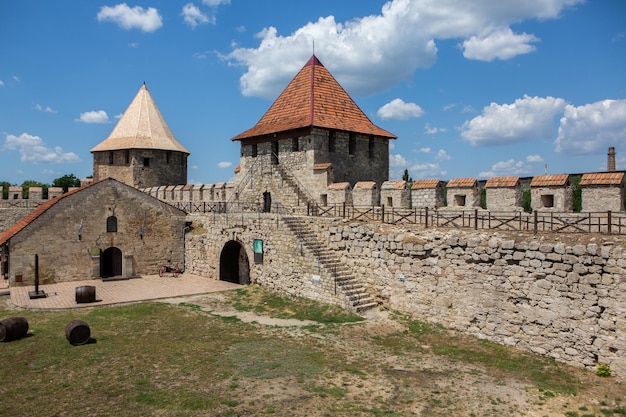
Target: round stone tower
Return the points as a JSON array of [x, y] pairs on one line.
[[141, 151]]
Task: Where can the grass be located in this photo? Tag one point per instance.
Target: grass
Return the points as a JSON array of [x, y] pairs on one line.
[[176, 360]]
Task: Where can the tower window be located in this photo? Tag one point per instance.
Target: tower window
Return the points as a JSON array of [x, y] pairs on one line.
[[168, 156], [110, 158], [146, 162], [127, 157], [295, 145], [111, 224], [371, 147], [331, 141], [254, 151], [351, 144]]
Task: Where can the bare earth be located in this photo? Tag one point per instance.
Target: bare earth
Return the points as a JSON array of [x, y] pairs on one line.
[[418, 383]]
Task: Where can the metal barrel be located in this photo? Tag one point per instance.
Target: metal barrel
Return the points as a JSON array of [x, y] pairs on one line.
[[86, 294], [13, 328], [77, 332]]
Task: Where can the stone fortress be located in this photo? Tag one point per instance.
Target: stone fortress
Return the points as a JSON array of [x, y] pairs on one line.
[[561, 296]]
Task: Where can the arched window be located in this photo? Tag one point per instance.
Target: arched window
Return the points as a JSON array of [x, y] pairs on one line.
[[111, 224]]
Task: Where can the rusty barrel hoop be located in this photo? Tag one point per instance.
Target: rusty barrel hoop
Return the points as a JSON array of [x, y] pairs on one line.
[[13, 328], [77, 332], [86, 294]]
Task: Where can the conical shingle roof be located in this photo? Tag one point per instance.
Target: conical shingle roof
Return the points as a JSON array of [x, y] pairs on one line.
[[314, 98], [141, 127]]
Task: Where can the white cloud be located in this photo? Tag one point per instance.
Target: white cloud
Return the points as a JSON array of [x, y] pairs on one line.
[[429, 130], [133, 45], [372, 53], [16, 78], [527, 119], [34, 150], [225, 164], [46, 109], [442, 155], [99, 116], [500, 44], [215, 3], [147, 20], [397, 161], [1, 83], [194, 17], [425, 150], [534, 159], [426, 170], [399, 110], [592, 128], [507, 168]]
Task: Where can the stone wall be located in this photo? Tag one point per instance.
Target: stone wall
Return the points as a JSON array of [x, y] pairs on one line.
[[504, 198], [567, 301], [603, 199], [10, 216]]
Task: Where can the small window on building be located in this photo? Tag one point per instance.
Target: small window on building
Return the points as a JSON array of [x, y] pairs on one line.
[[324, 199], [168, 157], [390, 201], [547, 200], [331, 141], [351, 144], [110, 158], [146, 162], [253, 151], [295, 145], [459, 200], [111, 224], [274, 156], [127, 157]]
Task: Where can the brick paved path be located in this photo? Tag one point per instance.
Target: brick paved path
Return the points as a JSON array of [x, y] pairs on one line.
[[150, 287]]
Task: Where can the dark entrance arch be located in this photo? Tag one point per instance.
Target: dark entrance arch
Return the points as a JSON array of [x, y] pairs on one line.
[[234, 265], [111, 263]]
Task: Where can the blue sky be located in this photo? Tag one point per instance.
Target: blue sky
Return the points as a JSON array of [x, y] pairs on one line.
[[472, 88]]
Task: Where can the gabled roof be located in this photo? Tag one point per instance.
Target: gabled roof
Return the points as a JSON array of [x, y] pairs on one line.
[[314, 98], [425, 184], [141, 127], [339, 186], [502, 182], [365, 185], [393, 185], [605, 178], [462, 183], [557, 180]]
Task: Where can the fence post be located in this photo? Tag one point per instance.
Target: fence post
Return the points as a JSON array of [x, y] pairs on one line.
[[382, 213], [426, 221], [475, 219], [535, 222], [609, 220]]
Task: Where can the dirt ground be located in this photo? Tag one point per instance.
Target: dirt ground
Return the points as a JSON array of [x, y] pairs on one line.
[[397, 383]]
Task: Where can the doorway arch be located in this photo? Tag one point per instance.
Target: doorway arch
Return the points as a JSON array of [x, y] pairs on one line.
[[111, 262], [234, 264]]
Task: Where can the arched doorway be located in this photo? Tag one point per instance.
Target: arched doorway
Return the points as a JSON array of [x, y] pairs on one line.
[[234, 265], [111, 263]]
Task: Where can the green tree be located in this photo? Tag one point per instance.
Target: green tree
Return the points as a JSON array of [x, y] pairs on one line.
[[5, 189], [66, 181], [577, 199], [31, 183]]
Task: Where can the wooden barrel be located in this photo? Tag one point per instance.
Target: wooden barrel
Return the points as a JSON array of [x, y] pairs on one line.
[[86, 294], [13, 328], [77, 332]]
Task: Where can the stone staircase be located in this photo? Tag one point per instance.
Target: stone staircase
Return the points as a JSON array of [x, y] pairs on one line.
[[358, 297]]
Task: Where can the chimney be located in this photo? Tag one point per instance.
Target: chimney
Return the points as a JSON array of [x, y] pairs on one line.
[[611, 160]]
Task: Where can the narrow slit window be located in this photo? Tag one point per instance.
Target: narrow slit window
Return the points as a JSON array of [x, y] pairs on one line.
[[111, 224]]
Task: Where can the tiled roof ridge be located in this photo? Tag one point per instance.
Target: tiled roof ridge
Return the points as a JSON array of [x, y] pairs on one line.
[[37, 212]]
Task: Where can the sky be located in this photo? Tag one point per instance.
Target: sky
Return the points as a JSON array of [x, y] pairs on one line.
[[471, 88]]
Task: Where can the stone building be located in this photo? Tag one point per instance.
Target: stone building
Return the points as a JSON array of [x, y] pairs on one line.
[[141, 151], [313, 135], [551, 192], [394, 194], [366, 193], [15, 193], [504, 193], [340, 193], [463, 193], [602, 191], [427, 193], [107, 229]]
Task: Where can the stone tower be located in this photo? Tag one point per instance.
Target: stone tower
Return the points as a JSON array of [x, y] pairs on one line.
[[313, 135], [141, 151]]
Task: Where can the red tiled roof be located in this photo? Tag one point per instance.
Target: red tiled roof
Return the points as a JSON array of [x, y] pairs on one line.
[[365, 185], [30, 217], [314, 98], [322, 167], [339, 186], [393, 185], [549, 180], [500, 182], [605, 178], [425, 184], [462, 183]]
